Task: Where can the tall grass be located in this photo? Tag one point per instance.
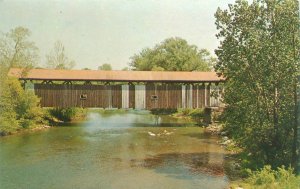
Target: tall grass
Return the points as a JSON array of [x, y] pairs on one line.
[[267, 178]]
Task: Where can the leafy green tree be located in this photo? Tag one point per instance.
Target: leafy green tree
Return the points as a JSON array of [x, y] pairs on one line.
[[173, 54], [18, 108], [259, 56], [57, 58], [105, 67], [16, 50], [8, 115]]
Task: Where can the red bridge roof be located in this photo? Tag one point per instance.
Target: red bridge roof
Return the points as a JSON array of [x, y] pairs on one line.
[[126, 76]]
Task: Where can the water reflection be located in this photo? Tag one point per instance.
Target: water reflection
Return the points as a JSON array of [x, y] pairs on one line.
[[110, 145], [193, 163], [108, 119]]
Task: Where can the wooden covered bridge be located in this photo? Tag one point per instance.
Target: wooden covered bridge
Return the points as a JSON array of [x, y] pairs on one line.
[[122, 89]]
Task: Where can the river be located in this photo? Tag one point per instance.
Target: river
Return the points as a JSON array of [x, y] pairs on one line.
[[130, 150]]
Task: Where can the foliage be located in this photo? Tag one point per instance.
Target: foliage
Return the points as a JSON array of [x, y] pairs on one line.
[[173, 54], [163, 111], [19, 108], [16, 50], [199, 115], [65, 114], [259, 56], [105, 67], [268, 178], [57, 58], [202, 116]]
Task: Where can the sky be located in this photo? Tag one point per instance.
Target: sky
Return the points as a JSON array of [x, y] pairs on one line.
[[111, 31]]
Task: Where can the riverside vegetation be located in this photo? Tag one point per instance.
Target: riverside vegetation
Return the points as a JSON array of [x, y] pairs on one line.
[[20, 110], [259, 56]]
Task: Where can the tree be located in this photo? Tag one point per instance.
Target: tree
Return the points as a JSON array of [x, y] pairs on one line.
[[16, 50], [173, 54], [18, 108], [57, 58], [259, 56], [105, 67]]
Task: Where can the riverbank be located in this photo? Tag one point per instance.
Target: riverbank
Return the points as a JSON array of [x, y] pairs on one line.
[[198, 116], [25, 130], [48, 117], [63, 115], [241, 177]]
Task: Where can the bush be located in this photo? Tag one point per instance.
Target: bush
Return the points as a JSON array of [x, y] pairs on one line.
[[268, 178], [65, 114], [8, 123], [200, 115], [19, 108], [163, 111], [185, 111]]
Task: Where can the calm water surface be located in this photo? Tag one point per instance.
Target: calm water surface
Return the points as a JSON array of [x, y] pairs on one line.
[[114, 150]]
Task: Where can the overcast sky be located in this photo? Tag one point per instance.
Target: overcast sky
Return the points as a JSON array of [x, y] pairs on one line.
[[111, 31]]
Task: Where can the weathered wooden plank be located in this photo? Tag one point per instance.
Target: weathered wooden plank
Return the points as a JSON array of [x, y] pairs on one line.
[[116, 96], [150, 91], [201, 96], [131, 96], [195, 96], [207, 95], [140, 97], [126, 96]]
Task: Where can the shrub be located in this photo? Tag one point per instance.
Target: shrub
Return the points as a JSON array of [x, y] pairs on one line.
[[19, 108], [200, 115], [66, 114], [163, 111], [268, 178]]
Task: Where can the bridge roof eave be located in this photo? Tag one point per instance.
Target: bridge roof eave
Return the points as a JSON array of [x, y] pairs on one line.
[[116, 76], [125, 81]]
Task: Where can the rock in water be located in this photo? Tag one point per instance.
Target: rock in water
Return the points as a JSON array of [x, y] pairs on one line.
[[151, 134]]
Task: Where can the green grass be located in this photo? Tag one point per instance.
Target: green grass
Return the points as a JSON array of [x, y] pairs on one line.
[[267, 178], [65, 114]]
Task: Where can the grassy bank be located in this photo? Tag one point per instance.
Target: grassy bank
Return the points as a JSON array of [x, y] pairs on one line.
[[245, 173], [59, 115], [200, 116], [265, 178]]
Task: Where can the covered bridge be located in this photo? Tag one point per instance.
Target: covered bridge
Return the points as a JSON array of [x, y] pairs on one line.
[[122, 89]]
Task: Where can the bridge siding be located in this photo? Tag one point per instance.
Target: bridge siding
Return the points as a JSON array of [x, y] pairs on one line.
[[131, 96], [207, 95], [110, 96], [125, 96]]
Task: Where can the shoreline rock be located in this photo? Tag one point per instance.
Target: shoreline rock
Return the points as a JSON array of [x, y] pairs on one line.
[[214, 129]]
